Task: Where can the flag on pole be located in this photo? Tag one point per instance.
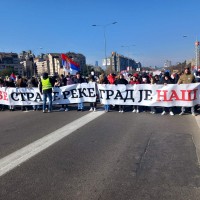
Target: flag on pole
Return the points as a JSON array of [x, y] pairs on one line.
[[12, 76], [69, 65]]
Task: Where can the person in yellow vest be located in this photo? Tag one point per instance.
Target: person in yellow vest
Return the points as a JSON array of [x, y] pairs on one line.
[[46, 89]]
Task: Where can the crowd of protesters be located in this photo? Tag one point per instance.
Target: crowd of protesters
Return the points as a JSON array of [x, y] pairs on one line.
[[46, 83]]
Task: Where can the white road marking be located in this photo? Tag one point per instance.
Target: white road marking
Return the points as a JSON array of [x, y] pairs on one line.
[[15, 159]]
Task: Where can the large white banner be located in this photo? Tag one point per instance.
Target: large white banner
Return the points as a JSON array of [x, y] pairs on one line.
[[150, 95], [77, 93], [143, 94]]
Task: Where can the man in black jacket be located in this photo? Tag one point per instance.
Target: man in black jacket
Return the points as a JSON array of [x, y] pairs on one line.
[[167, 80], [122, 81], [78, 79]]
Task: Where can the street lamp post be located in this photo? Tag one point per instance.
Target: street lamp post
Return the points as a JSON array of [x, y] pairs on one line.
[[104, 32], [128, 46], [197, 53], [197, 44]]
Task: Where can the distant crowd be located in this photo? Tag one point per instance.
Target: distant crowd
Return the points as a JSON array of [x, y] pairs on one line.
[[186, 77]]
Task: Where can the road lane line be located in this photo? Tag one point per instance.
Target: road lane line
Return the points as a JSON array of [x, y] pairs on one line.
[[16, 158]]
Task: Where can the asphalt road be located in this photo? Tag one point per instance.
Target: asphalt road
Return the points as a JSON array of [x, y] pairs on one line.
[[116, 156]]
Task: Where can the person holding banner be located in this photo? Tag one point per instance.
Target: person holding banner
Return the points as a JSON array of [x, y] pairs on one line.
[[45, 87], [22, 83], [31, 83], [135, 80], [93, 105], [167, 80], [153, 81], [187, 78], [10, 83], [145, 80], [69, 81], [121, 80], [104, 80], [79, 79]]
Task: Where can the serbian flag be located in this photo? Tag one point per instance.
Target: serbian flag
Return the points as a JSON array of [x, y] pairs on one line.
[[69, 65], [12, 76]]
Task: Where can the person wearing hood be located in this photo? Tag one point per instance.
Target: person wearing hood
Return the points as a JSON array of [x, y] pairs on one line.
[[167, 80], [121, 81], [45, 87]]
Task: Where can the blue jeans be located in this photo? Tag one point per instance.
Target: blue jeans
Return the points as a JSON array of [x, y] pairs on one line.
[[106, 107], [49, 95], [36, 107], [80, 106], [192, 109]]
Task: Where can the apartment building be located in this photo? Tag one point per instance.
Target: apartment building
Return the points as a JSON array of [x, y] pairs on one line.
[[10, 60], [120, 63]]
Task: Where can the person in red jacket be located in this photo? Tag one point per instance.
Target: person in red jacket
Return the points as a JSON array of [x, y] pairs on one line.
[[134, 80], [111, 78]]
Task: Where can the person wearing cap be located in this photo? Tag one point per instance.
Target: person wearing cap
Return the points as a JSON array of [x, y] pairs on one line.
[[186, 78], [45, 87]]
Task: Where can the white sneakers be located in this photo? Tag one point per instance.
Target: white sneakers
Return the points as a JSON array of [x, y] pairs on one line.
[[193, 114], [137, 111], [93, 109], [163, 113]]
